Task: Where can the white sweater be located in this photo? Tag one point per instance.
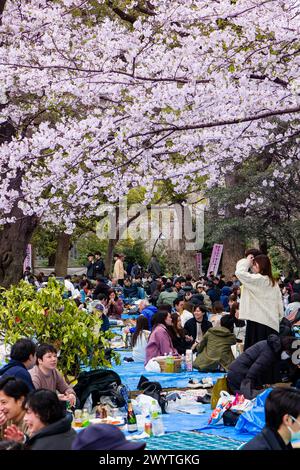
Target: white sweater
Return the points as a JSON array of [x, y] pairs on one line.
[[260, 301]]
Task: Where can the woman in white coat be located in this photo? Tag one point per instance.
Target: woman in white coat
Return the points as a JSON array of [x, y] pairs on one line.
[[261, 301]]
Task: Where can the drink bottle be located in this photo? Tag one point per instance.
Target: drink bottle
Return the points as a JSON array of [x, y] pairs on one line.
[[131, 418]]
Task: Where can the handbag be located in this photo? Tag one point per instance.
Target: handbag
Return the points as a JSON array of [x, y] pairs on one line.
[[230, 417]]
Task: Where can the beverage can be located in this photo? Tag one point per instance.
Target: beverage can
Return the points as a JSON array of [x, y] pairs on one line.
[[148, 428]]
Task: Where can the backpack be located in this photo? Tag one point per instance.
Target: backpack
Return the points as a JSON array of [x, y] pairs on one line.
[[103, 385]]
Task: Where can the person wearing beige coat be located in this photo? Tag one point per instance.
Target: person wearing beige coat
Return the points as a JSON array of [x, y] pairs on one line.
[[119, 271], [261, 301]]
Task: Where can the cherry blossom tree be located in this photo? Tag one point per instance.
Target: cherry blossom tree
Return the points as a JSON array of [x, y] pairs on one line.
[[93, 105]]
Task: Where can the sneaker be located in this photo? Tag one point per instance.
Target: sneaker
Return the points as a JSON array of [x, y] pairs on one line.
[[205, 400]]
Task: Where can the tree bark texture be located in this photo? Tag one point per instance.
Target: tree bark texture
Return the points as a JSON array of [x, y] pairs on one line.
[[62, 254]]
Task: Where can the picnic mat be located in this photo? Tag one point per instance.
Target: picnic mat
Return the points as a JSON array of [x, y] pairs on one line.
[[188, 440], [130, 373]]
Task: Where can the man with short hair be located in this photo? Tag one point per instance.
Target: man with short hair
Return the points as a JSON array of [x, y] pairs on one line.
[[167, 296], [178, 305], [45, 374], [22, 358], [282, 413], [90, 267], [147, 311], [99, 264], [101, 287]]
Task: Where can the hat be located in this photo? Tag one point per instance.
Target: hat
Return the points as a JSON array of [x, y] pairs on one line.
[[97, 305], [104, 437]]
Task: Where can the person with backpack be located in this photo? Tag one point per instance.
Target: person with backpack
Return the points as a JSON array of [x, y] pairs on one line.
[[22, 358]]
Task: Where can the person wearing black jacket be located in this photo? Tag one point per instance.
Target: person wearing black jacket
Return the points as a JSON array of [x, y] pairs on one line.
[[282, 411], [49, 426], [256, 366], [101, 288], [90, 267], [198, 326], [99, 265], [180, 339]]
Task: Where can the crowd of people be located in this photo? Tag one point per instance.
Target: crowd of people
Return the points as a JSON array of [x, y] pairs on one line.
[[210, 315]]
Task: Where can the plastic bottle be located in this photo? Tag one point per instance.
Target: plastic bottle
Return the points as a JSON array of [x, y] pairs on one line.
[[156, 420], [129, 340], [189, 360], [85, 418], [183, 364], [170, 363]]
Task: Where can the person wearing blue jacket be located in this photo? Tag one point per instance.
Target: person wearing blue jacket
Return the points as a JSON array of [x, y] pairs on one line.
[[147, 310], [22, 358]]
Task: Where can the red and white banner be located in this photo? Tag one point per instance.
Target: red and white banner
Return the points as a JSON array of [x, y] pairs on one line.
[[28, 258], [215, 259]]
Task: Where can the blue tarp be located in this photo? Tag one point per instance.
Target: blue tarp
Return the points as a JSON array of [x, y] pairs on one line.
[[254, 420], [130, 373]]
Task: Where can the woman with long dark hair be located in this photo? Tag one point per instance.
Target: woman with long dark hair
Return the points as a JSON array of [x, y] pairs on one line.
[[114, 305], [160, 340], [261, 302], [140, 339], [180, 338]]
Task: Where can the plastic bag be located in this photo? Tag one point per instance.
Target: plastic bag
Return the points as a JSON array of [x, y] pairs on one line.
[[253, 421], [152, 366]]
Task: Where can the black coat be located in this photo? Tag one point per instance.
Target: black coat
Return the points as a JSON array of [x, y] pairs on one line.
[[180, 344], [101, 288], [267, 439], [256, 364], [191, 326], [55, 436], [99, 267], [90, 270]]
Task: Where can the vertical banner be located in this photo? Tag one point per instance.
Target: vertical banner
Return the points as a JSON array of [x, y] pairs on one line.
[[28, 258], [199, 263], [215, 259]]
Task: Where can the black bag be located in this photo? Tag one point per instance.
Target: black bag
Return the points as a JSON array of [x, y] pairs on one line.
[[154, 390], [230, 417], [104, 386]]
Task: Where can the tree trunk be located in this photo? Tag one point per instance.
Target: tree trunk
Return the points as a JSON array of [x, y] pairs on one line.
[[14, 239], [233, 250], [51, 260], [109, 255], [234, 245], [263, 246], [62, 254]]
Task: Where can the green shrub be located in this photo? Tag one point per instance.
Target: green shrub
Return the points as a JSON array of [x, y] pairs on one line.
[[45, 316]]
